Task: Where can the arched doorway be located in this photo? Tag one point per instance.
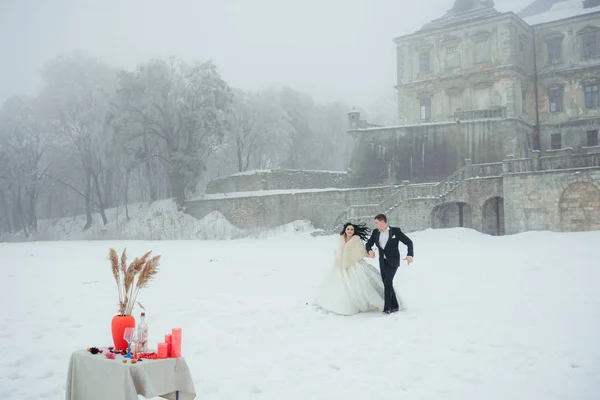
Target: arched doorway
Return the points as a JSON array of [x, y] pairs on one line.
[[493, 216], [579, 208], [452, 215]]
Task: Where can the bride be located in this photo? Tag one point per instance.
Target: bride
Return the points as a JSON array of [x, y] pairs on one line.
[[351, 285]]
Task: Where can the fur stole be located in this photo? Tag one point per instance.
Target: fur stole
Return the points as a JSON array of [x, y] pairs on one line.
[[349, 253]]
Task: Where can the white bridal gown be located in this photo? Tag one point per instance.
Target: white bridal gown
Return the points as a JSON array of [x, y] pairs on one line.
[[354, 287]]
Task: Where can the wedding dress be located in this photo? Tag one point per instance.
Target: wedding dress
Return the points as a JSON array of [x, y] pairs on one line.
[[351, 285]]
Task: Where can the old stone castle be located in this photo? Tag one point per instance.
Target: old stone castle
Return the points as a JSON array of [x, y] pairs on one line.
[[499, 132], [478, 84]]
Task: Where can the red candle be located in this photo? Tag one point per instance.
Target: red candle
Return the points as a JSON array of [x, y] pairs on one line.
[[176, 343], [162, 350], [169, 342]]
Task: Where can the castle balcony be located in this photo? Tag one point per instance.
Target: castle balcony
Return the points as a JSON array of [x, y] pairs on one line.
[[484, 113]]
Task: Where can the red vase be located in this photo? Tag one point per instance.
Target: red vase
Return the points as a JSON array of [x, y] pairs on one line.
[[119, 323]]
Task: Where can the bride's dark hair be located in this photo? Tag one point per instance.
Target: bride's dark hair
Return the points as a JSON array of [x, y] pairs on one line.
[[360, 230]]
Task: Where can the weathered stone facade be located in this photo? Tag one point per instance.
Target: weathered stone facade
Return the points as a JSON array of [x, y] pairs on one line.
[[279, 179], [481, 84], [389, 156], [478, 64], [567, 70]]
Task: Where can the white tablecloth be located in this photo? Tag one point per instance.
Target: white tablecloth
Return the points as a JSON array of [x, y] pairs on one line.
[[95, 377]]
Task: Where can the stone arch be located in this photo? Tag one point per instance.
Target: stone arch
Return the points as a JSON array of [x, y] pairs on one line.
[[579, 207], [493, 216], [452, 215]]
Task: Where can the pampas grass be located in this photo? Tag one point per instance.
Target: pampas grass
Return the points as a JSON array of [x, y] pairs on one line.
[[143, 269]]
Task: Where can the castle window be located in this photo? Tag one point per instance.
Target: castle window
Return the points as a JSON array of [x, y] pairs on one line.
[[424, 62], [554, 46], [589, 42], [452, 57], [591, 96], [425, 106], [482, 95], [556, 141], [592, 138], [482, 51], [455, 101], [481, 47], [556, 100], [524, 100]]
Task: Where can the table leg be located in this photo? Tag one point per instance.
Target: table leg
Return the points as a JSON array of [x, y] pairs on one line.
[[177, 395]]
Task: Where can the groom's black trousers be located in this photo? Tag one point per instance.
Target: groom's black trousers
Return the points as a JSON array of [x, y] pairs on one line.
[[387, 274]]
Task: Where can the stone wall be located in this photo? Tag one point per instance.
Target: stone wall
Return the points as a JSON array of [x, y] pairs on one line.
[[564, 200], [531, 194], [278, 180], [319, 207], [472, 194], [431, 152]]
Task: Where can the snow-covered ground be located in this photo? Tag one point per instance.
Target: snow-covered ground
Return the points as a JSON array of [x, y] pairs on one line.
[[513, 317], [268, 171]]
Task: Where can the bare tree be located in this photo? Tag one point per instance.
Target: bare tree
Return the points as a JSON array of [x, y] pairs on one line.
[[184, 106], [260, 130], [23, 142], [78, 92]]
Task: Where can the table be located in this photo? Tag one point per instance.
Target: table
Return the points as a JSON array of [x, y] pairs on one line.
[[95, 377]]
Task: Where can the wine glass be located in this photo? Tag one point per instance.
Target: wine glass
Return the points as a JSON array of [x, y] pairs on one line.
[[129, 336]]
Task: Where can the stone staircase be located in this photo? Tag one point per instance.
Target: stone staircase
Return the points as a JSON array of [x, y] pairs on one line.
[[409, 192]]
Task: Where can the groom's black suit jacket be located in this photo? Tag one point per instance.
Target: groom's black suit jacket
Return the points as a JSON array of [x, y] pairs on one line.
[[390, 252]]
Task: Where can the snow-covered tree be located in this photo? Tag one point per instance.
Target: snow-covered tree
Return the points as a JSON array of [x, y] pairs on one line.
[[260, 132], [23, 141], [79, 90], [183, 106]]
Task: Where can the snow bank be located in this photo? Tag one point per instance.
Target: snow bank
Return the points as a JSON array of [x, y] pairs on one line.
[[156, 221]]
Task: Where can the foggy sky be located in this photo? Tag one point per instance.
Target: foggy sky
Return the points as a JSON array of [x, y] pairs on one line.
[[332, 49]]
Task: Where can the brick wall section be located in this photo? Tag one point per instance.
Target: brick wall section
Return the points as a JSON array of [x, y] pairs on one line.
[[278, 180], [533, 201]]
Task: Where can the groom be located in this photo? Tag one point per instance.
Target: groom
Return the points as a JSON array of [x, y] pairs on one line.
[[386, 238]]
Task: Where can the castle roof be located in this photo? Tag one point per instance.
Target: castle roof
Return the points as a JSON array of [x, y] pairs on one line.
[[463, 11], [544, 11], [537, 7]]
